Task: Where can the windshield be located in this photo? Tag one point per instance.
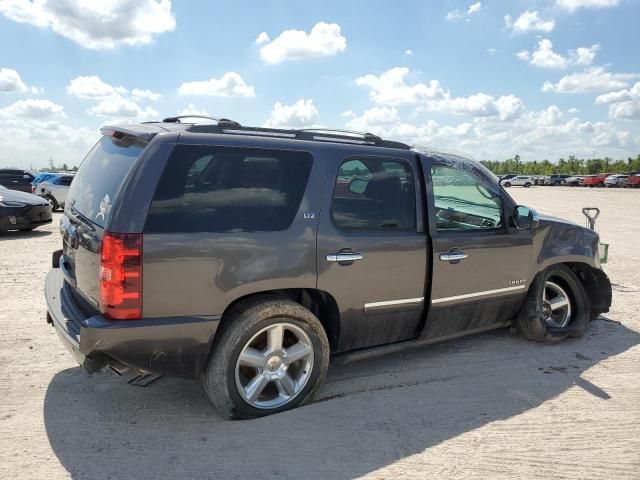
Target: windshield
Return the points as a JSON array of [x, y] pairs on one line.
[[100, 176]]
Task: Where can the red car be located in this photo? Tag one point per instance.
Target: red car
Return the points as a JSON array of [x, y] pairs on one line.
[[595, 180], [633, 181]]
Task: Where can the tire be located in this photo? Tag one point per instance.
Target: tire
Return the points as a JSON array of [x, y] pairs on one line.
[[527, 185], [507, 184], [530, 320], [53, 201], [224, 376]]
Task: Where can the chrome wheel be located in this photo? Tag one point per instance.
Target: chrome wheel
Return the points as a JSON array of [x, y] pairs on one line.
[[274, 365], [556, 306]]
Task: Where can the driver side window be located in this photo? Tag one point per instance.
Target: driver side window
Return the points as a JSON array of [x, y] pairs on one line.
[[464, 201]]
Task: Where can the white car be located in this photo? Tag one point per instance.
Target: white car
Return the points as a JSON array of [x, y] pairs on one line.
[[55, 190], [617, 180], [520, 180]]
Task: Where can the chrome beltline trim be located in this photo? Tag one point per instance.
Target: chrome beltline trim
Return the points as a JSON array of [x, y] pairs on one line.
[[394, 302], [478, 294]]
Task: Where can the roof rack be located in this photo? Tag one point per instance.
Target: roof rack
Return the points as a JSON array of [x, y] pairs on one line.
[[224, 125]]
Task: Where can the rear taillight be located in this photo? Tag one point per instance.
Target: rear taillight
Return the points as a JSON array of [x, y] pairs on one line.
[[121, 275]]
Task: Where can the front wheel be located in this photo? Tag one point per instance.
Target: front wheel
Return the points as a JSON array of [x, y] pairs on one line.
[[271, 355], [527, 185], [53, 202], [556, 307], [507, 184]]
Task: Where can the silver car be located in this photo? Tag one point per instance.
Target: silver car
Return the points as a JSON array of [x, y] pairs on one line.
[[55, 190], [617, 180]]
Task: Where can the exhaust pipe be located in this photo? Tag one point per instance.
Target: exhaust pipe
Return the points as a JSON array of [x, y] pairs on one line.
[[120, 369]]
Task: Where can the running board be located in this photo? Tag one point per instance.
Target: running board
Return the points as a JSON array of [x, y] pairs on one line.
[[381, 350]]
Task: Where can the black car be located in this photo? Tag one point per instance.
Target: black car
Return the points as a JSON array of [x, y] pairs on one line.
[[246, 257], [22, 211], [15, 179]]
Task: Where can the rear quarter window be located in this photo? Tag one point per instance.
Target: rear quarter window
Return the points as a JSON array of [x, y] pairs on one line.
[[223, 189]]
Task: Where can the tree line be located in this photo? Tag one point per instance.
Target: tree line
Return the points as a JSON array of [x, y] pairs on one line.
[[569, 166]]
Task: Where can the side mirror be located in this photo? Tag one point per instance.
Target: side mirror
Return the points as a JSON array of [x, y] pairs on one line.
[[525, 218], [358, 185]]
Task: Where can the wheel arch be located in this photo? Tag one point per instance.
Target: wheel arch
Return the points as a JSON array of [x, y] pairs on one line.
[[319, 302]]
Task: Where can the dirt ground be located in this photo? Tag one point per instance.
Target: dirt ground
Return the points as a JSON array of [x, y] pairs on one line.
[[488, 406]]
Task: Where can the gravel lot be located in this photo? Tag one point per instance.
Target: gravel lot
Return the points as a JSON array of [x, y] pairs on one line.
[[487, 406]]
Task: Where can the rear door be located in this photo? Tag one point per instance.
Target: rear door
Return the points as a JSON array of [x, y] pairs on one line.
[[480, 266], [372, 249]]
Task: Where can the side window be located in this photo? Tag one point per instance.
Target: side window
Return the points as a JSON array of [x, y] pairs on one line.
[[374, 195], [221, 189], [464, 201], [66, 181]]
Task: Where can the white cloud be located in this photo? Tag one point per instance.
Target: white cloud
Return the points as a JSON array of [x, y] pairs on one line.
[[458, 14], [623, 104], [506, 108], [546, 57], [573, 5], [230, 84], [191, 109], [10, 81], [303, 113], [33, 109], [325, 39], [492, 51], [118, 107], [585, 55], [593, 79], [263, 37], [529, 22], [535, 135], [95, 25], [145, 93], [390, 88], [92, 87], [408, 52]]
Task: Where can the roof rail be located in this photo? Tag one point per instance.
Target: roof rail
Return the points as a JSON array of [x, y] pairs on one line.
[[222, 122], [368, 137]]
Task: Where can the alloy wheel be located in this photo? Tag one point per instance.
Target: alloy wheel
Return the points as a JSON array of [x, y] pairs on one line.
[[274, 366], [556, 305]]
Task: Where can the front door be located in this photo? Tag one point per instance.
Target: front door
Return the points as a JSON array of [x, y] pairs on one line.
[[372, 249], [480, 266]]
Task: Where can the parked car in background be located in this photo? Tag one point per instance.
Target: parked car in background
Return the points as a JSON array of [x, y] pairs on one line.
[[573, 181], [228, 254], [555, 180], [633, 181], [55, 190], [43, 177], [15, 179], [595, 180], [543, 180], [518, 181], [22, 211], [508, 176], [617, 180]]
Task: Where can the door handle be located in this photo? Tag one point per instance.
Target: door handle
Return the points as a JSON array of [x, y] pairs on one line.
[[344, 257], [453, 256]]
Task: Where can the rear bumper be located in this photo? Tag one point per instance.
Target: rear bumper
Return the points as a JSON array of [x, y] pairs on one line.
[[174, 346]]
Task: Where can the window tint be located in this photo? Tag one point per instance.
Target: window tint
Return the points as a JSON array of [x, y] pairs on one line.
[[374, 194], [64, 181], [464, 201], [98, 180], [218, 189]]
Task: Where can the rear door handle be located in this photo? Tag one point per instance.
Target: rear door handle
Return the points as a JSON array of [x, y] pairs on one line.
[[344, 257], [453, 256]]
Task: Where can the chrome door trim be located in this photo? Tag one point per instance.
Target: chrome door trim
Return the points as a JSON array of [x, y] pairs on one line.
[[389, 303], [478, 294]]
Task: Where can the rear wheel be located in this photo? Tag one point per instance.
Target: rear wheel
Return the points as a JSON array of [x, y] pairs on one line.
[[557, 307], [507, 184], [527, 185], [53, 202], [271, 355]]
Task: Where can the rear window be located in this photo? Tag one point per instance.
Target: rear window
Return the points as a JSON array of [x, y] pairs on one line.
[[222, 189], [100, 176]]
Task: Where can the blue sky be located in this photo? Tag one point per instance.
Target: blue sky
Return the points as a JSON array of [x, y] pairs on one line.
[[488, 79]]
